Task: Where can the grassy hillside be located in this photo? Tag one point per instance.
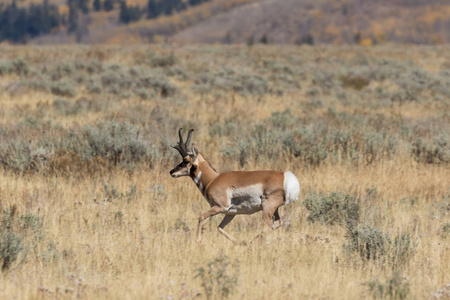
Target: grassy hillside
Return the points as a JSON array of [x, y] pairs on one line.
[[88, 209], [349, 21], [104, 27], [265, 21]]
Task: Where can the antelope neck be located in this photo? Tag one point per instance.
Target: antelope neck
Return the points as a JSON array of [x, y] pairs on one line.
[[204, 174]]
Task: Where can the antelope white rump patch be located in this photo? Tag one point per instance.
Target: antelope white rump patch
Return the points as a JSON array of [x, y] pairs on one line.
[[291, 187]]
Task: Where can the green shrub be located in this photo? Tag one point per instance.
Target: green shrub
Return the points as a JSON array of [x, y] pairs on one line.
[[373, 244], [396, 287], [440, 208], [437, 151], [37, 83], [103, 144], [219, 278], [162, 60], [94, 67], [64, 88], [111, 193], [22, 157], [21, 235], [416, 80], [445, 230], [340, 142], [117, 141], [63, 70], [229, 80], [11, 246], [410, 200], [283, 119], [333, 209], [341, 137], [5, 68], [30, 223], [143, 94], [16, 66], [158, 82], [93, 87], [117, 77], [11, 243], [178, 73], [68, 107], [239, 151], [401, 250], [51, 254], [378, 145], [369, 242], [306, 143], [118, 217], [356, 82], [251, 84], [181, 224], [325, 80], [230, 127], [313, 91], [404, 96], [62, 105]]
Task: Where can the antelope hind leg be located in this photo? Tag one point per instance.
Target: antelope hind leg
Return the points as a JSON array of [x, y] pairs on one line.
[[269, 211], [277, 222]]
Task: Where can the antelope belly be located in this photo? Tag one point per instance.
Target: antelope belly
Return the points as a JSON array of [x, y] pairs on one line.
[[246, 200]]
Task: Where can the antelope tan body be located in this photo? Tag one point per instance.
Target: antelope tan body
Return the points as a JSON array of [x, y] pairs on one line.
[[236, 192]]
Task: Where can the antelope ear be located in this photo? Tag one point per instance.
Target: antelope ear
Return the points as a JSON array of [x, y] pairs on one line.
[[195, 151]]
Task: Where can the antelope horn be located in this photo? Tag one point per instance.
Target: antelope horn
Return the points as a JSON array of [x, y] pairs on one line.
[[189, 138], [180, 146], [181, 136], [183, 147]]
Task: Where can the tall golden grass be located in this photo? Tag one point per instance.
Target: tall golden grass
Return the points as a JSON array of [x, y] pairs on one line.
[[139, 242]]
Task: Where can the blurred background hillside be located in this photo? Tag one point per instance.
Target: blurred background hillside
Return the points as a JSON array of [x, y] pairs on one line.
[[364, 22]]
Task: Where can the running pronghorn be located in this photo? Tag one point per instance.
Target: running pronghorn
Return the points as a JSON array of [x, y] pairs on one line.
[[235, 192]]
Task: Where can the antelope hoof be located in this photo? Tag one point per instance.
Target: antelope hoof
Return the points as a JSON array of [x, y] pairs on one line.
[[276, 224], [198, 239], [242, 243], [256, 238]]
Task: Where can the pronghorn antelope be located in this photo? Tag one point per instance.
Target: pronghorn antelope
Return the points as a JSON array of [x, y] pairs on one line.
[[235, 192]]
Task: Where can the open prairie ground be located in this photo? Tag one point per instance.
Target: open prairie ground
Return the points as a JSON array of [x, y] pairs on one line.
[[88, 209]]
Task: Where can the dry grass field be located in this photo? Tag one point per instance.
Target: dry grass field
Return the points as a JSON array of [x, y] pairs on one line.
[[88, 209]]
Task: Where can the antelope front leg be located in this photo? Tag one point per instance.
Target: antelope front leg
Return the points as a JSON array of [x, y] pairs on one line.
[[221, 227], [204, 217]]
